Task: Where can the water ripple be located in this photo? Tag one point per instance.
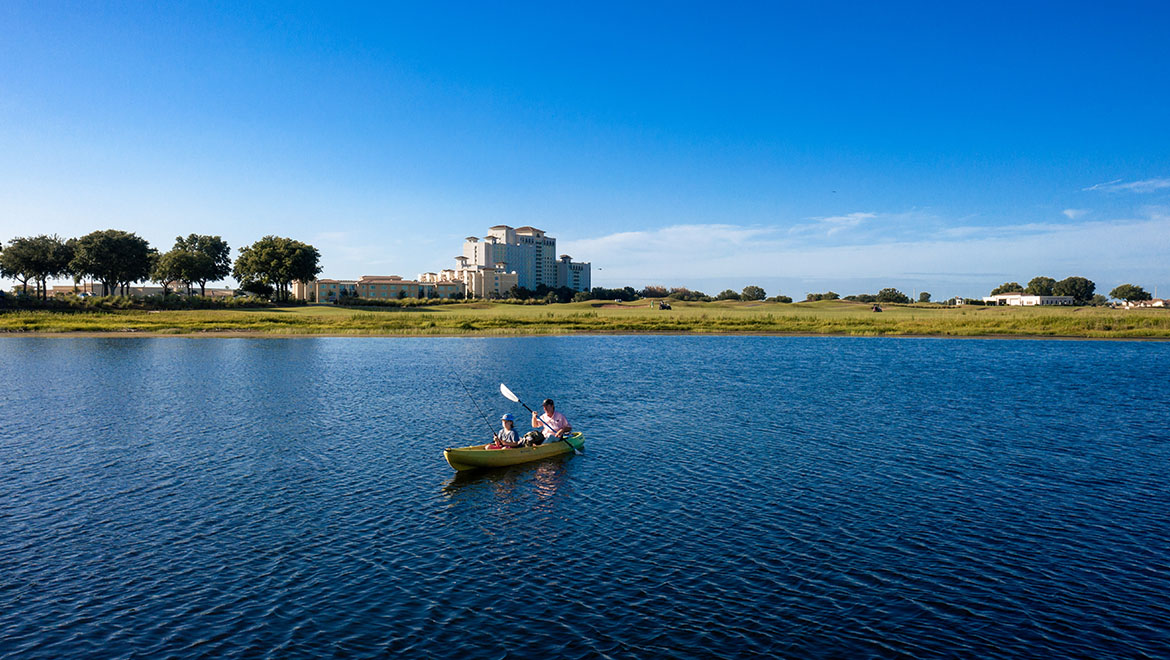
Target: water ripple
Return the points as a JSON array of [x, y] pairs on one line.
[[739, 497]]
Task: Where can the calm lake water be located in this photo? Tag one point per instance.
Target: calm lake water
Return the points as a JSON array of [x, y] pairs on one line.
[[739, 496]]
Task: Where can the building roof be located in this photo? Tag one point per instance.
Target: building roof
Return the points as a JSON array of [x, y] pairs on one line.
[[529, 230], [500, 227]]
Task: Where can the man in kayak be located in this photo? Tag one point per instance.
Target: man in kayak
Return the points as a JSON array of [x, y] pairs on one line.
[[552, 423], [507, 437]]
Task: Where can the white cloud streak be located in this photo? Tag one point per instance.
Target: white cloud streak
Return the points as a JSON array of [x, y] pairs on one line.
[[968, 257], [1143, 186], [1074, 214], [833, 224]]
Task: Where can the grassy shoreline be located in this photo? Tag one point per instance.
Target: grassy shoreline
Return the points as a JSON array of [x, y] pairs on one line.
[[493, 319]]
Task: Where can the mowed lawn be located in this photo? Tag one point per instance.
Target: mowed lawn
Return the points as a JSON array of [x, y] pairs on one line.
[[825, 317]]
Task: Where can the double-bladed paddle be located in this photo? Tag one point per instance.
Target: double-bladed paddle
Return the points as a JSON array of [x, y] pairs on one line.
[[511, 396]]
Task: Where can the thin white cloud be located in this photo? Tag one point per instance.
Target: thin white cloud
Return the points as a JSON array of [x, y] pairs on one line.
[[863, 226], [687, 238], [1074, 214], [835, 224], [1143, 186], [693, 255]]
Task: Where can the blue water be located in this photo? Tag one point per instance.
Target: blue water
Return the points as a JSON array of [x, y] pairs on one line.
[[738, 497]]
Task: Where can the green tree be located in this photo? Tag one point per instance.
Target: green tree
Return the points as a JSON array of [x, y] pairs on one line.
[[828, 295], [15, 262], [277, 261], [257, 289], [58, 254], [37, 258], [727, 294], [892, 295], [1130, 293], [683, 293], [924, 297], [1040, 286], [212, 262], [752, 292], [519, 293], [1007, 287], [600, 293], [114, 258], [1079, 288], [176, 266]]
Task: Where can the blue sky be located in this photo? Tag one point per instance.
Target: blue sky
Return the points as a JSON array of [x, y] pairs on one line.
[[801, 146]]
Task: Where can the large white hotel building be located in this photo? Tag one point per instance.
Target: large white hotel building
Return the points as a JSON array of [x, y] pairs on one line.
[[528, 252], [488, 268]]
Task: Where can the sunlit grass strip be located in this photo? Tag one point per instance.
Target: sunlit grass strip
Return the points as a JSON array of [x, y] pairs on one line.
[[480, 319]]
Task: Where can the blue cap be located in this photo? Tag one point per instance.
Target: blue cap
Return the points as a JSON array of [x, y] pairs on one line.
[[507, 417]]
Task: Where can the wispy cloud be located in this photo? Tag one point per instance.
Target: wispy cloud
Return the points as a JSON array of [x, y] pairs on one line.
[[355, 252], [833, 224], [1074, 214], [966, 258], [1143, 186], [863, 227]]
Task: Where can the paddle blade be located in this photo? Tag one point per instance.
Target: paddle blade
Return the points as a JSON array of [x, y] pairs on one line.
[[508, 393]]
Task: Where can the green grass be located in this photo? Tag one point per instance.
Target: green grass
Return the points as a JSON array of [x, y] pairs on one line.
[[826, 317]]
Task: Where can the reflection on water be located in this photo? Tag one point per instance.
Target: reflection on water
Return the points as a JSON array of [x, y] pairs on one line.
[[508, 485]]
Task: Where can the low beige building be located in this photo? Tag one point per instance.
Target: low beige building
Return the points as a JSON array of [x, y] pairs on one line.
[[326, 290], [477, 281], [374, 287], [97, 289]]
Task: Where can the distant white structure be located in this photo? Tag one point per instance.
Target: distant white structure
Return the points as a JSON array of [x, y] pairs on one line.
[[1015, 298], [529, 253], [1156, 302]]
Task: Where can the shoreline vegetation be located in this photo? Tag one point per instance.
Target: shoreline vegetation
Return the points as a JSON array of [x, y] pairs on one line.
[[827, 317]]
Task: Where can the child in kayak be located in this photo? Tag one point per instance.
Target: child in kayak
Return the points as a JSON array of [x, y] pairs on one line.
[[506, 437]]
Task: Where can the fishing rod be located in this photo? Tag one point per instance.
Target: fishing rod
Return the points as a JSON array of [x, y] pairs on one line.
[[473, 401]]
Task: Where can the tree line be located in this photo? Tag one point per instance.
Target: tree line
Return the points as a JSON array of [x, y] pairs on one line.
[[118, 259], [749, 293], [1082, 290], [887, 295], [543, 293]]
